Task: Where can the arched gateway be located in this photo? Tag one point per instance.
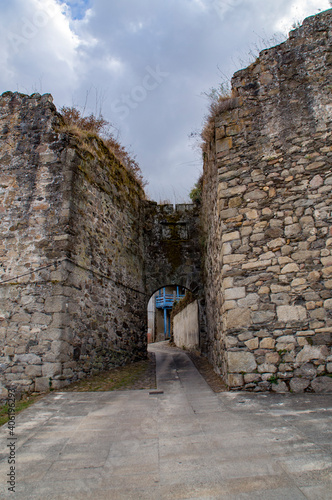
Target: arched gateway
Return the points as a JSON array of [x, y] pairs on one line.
[[172, 248], [172, 251]]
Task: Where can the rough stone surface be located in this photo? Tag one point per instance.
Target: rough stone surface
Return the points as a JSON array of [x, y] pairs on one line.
[[81, 251], [278, 260], [322, 384], [299, 384], [241, 362]]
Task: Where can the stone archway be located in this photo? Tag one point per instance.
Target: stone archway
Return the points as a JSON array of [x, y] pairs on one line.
[[172, 248]]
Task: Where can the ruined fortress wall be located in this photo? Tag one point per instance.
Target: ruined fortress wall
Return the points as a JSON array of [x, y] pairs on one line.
[[267, 208], [71, 286]]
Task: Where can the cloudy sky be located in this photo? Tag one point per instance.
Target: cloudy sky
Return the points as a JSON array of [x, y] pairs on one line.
[[144, 63]]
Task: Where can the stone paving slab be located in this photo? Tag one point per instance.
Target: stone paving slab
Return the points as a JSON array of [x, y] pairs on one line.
[[183, 443]]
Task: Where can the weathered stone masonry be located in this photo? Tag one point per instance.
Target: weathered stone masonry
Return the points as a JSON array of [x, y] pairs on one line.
[[72, 293], [81, 251], [267, 207]]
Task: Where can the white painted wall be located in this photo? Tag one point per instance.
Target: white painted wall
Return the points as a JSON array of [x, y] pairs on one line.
[[186, 327]]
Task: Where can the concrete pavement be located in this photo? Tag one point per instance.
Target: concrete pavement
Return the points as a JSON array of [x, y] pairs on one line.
[[183, 443]]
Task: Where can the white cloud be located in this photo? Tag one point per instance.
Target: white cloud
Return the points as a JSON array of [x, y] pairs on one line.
[[98, 54], [37, 45], [298, 10]]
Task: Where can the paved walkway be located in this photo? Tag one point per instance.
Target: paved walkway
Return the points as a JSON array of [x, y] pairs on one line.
[[184, 443]]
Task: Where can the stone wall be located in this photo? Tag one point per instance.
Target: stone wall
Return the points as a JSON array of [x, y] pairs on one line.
[[267, 206], [186, 327], [72, 297]]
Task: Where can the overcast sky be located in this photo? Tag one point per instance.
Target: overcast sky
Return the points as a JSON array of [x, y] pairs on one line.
[[144, 63]]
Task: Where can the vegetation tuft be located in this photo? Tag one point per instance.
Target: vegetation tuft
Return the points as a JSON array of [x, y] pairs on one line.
[[196, 193], [221, 100], [24, 403], [139, 375], [91, 125]]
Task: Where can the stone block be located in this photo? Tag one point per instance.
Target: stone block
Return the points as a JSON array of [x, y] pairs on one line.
[[41, 319], [228, 213], [252, 344], [258, 194], [55, 334], [58, 384], [3, 391], [286, 339], [306, 371], [314, 276], [280, 387], [272, 358], [226, 249], [240, 361], [267, 368], [21, 317], [290, 268], [309, 353], [319, 313], [229, 304], [60, 320], [51, 369], [327, 261], [251, 299], [267, 343], [54, 304], [235, 293], [235, 202], [33, 371], [292, 230], [305, 333], [252, 377], [252, 214], [328, 304], [299, 282], [262, 316], [322, 384], [304, 255], [238, 318], [279, 288], [299, 384], [245, 336], [42, 384], [256, 264], [227, 283], [235, 235], [289, 314], [30, 359], [234, 258], [280, 298], [235, 380], [327, 271], [230, 341]]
